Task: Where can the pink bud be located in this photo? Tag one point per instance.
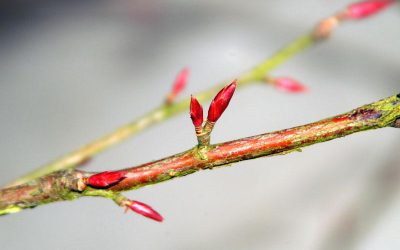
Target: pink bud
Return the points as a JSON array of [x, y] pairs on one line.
[[367, 8], [288, 84], [144, 210], [180, 81], [220, 102], [105, 179], [196, 112]]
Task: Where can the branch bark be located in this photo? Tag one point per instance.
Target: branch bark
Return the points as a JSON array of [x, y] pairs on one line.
[[68, 184]]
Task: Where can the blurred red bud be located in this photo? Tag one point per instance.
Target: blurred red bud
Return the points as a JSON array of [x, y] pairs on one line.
[[180, 81], [288, 84], [196, 112], [144, 210], [105, 179], [367, 8], [220, 102]]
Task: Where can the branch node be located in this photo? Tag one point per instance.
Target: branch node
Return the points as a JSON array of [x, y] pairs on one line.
[[325, 28], [80, 184], [201, 152]]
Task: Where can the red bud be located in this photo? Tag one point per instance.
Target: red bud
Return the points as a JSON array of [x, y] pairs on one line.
[[180, 81], [196, 112], [288, 84], [367, 8], [220, 102], [144, 210], [105, 179]]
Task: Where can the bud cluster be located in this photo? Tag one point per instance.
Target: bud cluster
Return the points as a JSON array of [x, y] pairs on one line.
[[216, 109]]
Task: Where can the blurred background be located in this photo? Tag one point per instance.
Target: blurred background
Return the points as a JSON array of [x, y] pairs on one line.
[[71, 71]]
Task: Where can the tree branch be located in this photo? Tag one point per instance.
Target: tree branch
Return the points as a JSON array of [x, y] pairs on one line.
[[321, 32], [70, 184], [162, 113]]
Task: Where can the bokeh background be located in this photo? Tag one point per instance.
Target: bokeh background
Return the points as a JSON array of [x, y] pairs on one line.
[[71, 71]]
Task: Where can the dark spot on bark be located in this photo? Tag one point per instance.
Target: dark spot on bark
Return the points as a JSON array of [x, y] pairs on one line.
[[396, 100], [366, 114]]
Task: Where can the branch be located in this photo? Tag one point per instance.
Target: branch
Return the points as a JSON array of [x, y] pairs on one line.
[[162, 113], [170, 108], [71, 184]]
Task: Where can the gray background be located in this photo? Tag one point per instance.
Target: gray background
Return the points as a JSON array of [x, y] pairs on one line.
[[71, 71]]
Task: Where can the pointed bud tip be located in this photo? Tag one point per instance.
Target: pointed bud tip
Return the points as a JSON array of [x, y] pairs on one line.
[[221, 102], [289, 85], [105, 179], [196, 112], [145, 210], [367, 8]]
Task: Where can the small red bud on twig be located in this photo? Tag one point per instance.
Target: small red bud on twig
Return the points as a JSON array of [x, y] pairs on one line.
[[367, 8], [179, 85], [196, 112], [180, 81], [220, 102], [144, 210], [105, 179], [288, 84]]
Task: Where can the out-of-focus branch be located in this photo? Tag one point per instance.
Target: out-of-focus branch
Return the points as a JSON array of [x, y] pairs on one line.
[[71, 184]]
